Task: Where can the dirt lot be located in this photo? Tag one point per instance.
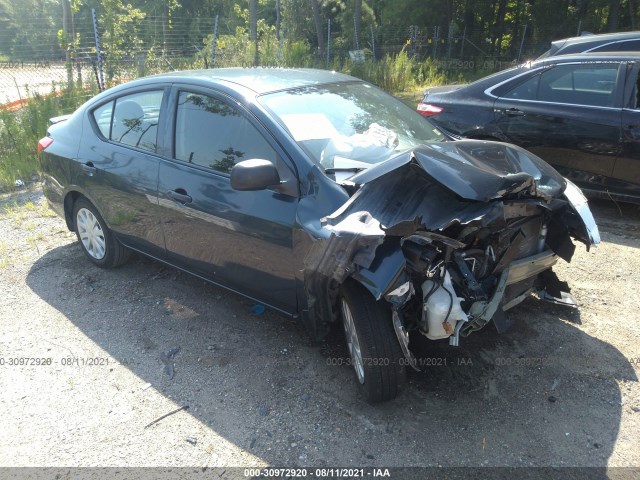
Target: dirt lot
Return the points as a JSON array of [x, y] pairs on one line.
[[559, 389]]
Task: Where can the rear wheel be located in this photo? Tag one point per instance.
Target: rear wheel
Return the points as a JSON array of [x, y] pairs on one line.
[[96, 240], [376, 356]]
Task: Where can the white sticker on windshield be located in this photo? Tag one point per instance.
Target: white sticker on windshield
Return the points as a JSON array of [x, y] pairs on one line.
[[309, 126]]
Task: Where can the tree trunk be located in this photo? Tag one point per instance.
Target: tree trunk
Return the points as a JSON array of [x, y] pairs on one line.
[[66, 28], [318, 23], [253, 29], [253, 20], [357, 21], [165, 25], [632, 14], [278, 19], [469, 22], [502, 7], [614, 15]]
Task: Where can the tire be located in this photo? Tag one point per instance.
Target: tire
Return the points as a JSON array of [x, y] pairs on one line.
[[379, 367], [95, 238]]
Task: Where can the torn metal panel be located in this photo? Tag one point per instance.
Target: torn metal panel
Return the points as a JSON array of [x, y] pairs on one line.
[[493, 226], [389, 265], [408, 194], [478, 170]]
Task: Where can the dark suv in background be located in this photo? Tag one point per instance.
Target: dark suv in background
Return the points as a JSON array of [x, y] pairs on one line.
[[589, 43], [580, 113]]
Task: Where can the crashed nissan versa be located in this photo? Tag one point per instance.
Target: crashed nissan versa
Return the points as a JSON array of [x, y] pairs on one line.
[[392, 228]]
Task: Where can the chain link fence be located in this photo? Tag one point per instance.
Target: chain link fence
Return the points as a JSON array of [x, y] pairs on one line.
[[187, 43]]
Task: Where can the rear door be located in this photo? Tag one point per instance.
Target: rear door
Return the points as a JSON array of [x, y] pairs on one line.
[[117, 166], [569, 115], [242, 240], [626, 174]]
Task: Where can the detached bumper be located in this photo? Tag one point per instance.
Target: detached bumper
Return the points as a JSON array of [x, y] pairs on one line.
[[531, 266]]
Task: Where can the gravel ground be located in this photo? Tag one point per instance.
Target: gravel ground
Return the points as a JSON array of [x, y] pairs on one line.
[[559, 389]]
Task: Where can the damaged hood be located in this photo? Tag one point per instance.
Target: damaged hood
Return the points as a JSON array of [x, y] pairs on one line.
[[477, 170]]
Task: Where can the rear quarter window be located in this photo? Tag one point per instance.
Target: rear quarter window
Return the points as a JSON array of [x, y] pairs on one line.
[[131, 120], [102, 115], [621, 46]]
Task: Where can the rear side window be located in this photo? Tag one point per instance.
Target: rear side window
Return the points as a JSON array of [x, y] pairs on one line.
[[214, 134], [622, 46], [592, 85], [527, 90], [131, 120], [102, 116]]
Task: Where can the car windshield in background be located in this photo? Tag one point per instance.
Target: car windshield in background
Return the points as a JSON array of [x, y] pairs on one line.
[[349, 126]]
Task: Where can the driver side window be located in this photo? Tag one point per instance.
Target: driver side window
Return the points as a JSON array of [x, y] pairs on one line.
[[215, 134]]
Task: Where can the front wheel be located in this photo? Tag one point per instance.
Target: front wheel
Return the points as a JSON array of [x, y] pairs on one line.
[[375, 353], [96, 240]]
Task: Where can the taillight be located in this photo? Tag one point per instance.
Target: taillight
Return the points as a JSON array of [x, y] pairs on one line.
[[44, 143], [427, 109]]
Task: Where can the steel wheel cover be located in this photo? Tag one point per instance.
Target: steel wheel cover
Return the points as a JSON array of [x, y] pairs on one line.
[[91, 234], [352, 340]]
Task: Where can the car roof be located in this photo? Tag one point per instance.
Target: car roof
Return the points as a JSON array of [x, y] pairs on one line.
[[591, 57], [259, 79], [504, 75], [601, 37]]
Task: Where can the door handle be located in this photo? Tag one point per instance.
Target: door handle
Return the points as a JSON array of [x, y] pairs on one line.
[[514, 112], [179, 196], [89, 169]]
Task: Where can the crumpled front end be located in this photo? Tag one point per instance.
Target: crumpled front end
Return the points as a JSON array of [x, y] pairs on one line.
[[449, 254]]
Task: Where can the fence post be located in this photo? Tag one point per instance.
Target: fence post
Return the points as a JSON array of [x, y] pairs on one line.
[[579, 28], [280, 44], [524, 33], [98, 52], [214, 41], [140, 63], [328, 41], [373, 44]]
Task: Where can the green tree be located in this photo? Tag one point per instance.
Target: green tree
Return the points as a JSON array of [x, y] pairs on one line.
[[8, 27], [120, 38]]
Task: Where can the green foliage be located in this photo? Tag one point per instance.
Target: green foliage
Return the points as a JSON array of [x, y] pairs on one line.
[[120, 38], [397, 73], [21, 130]]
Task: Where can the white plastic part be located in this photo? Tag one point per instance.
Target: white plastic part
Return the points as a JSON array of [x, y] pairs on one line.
[[436, 307]]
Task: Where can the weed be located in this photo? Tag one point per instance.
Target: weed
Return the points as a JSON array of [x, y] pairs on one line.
[[20, 131]]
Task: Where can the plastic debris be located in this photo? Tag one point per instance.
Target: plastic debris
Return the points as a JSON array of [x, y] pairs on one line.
[[167, 359], [257, 309]]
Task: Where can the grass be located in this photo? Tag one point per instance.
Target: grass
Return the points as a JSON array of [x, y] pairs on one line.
[[400, 74], [25, 218], [21, 130], [4, 256], [22, 213], [411, 97]]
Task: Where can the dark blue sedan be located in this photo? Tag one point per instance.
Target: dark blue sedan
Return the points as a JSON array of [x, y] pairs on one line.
[[320, 196]]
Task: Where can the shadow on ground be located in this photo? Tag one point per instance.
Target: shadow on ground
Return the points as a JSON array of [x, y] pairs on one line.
[[545, 393]]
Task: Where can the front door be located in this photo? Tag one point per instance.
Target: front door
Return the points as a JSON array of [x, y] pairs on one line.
[[242, 240]]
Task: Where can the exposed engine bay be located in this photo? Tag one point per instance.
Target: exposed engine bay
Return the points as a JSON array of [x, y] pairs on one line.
[[451, 246]]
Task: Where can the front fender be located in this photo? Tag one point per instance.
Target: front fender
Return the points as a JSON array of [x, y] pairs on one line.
[[383, 273]]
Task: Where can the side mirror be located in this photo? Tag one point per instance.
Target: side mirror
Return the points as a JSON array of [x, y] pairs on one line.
[[254, 175]]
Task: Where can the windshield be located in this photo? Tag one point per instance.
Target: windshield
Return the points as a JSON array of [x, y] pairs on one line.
[[349, 126]]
